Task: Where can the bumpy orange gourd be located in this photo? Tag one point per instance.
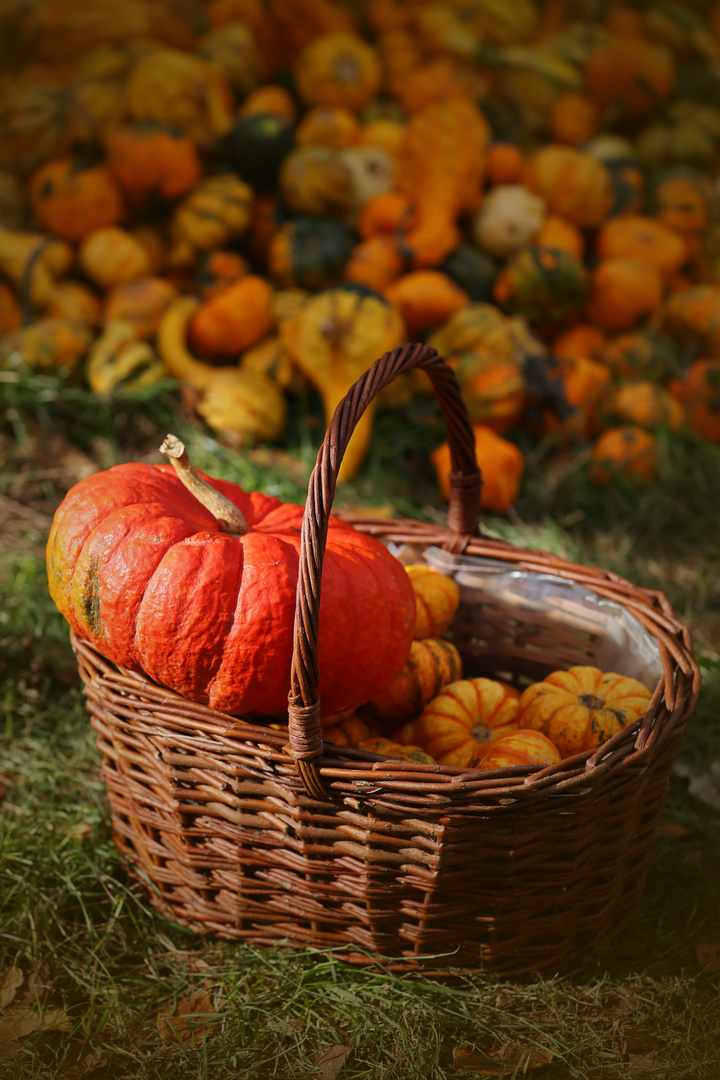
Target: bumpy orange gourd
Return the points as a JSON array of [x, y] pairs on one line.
[[432, 664], [440, 170], [112, 256], [628, 451], [234, 319], [374, 262], [581, 708], [465, 715], [520, 748], [148, 158], [641, 403], [437, 598], [425, 298], [583, 382], [572, 183], [579, 341]]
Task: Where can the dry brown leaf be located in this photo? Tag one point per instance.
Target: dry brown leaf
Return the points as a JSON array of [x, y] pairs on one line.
[[332, 1060], [708, 954], [22, 1021], [81, 831], [10, 981], [673, 830], [95, 1059], [190, 1022], [503, 1062]]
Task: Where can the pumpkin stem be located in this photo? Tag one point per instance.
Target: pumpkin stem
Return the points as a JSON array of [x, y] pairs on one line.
[[226, 513]]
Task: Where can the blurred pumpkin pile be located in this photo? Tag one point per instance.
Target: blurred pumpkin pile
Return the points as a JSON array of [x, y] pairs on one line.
[[254, 196]]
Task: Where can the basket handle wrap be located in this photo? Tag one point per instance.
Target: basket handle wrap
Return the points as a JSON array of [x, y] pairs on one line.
[[305, 733]]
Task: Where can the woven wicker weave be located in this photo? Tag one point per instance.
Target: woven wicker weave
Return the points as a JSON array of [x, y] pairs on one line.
[[276, 838]]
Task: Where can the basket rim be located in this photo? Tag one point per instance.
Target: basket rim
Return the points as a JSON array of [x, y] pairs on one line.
[[350, 771]]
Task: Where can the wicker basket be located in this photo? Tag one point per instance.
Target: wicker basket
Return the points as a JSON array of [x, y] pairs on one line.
[[275, 838]]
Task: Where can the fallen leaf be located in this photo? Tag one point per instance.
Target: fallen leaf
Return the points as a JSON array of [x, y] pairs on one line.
[[10, 980], [85, 1064], [503, 1062], [703, 785], [332, 1060], [81, 831], [22, 1021], [708, 954], [190, 1021]]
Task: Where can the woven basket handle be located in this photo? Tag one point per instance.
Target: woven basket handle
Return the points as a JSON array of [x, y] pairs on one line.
[[305, 732]]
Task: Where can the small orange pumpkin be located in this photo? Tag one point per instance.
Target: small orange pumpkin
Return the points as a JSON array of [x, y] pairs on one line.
[[437, 598], [629, 73], [330, 126], [234, 319], [338, 69], [218, 271], [581, 708], [573, 184], [627, 451], [455, 726], [623, 292], [387, 213], [71, 201], [349, 730], [73, 300], [493, 387], [389, 748], [425, 298], [581, 340], [559, 233], [49, 344], [573, 118], [699, 391], [519, 748], [431, 665], [374, 262], [695, 313], [148, 158], [269, 101], [504, 163], [502, 465], [636, 236], [583, 382]]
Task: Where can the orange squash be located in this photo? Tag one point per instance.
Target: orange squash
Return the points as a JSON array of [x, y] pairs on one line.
[[573, 118], [328, 125], [581, 708], [387, 135], [338, 69], [623, 292], [148, 158], [559, 233], [502, 465], [682, 202], [626, 451], [269, 100], [374, 262], [71, 201], [218, 271], [573, 184], [699, 392], [440, 171], [49, 344], [235, 319], [646, 354], [111, 256], [493, 387], [640, 403], [437, 598], [432, 664], [142, 303], [520, 748], [425, 298], [386, 213], [455, 726], [635, 236], [581, 340], [10, 310], [73, 300], [629, 73], [504, 163], [695, 314], [583, 382]]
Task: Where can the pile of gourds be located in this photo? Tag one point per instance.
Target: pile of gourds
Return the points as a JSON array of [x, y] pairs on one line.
[[253, 197], [430, 713]]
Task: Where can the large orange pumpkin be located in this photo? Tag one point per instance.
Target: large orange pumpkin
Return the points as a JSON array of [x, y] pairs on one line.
[[140, 568], [581, 708], [455, 726]]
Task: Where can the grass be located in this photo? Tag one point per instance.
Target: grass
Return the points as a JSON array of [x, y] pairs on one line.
[[102, 967]]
